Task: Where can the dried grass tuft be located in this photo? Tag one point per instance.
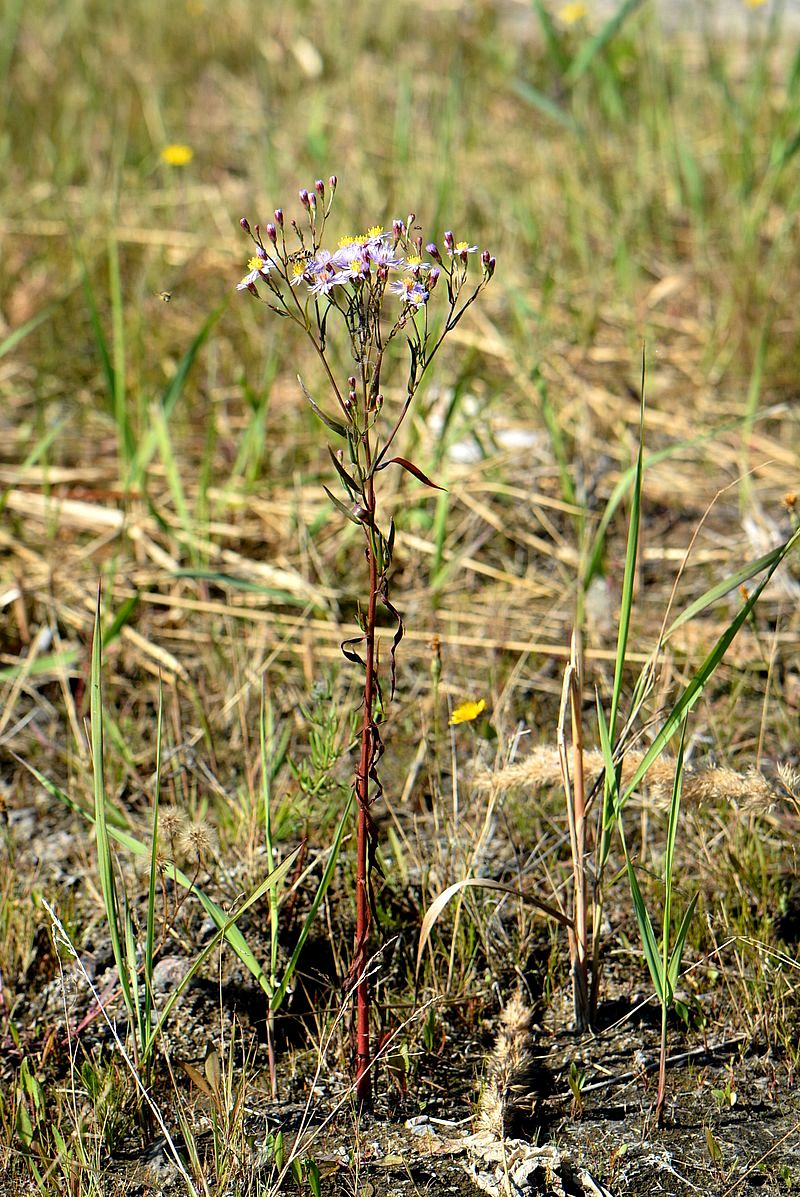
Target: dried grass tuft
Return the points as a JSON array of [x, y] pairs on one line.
[[750, 792], [508, 1097]]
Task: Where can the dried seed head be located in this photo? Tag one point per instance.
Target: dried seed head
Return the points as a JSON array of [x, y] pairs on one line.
[[171, 823], [198, 840]]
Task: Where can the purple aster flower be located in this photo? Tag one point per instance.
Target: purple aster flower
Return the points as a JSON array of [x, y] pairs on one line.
[[460, 250], [259, 267], [353, 264], [325, 282], [410, 290], [382, 254]]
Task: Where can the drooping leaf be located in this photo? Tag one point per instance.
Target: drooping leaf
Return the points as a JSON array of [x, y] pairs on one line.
[[412, 469]]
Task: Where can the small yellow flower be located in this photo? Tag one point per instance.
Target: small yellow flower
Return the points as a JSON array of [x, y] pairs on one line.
[[467, 711], [570, 14], [754, 3], [177, 155]]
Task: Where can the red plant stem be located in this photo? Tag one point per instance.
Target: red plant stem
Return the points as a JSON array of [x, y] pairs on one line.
[[363, 914]]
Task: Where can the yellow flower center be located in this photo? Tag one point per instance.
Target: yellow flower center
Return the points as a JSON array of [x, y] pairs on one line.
[[255, 264]]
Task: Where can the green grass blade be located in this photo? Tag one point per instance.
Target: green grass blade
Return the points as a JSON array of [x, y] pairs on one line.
[[325, 880], [648, 936], [16, 335], [126, 840], [173, 392], [672, 829], [553, 39], [646, 932], [718, 591], [680, 942], [150, 933], [105, 862], [550, 420], [591, 48], [266, 733], [695, 688], [125, 434], [629, 577], [38, 450], [225, 931], [537, 99]]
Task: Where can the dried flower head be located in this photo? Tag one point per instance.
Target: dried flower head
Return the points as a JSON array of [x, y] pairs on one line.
[[198, 841]]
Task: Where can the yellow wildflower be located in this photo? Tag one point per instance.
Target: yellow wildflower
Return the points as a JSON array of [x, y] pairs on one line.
[[468, 711], [570, 14], [177, 155]]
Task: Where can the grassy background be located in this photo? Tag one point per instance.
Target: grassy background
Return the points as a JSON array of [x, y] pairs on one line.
[[637, 190]]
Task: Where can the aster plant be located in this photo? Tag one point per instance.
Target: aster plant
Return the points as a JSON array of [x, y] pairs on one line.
[[375, 290]]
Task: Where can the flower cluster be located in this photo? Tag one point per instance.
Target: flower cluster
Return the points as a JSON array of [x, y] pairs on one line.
[[379, 260]]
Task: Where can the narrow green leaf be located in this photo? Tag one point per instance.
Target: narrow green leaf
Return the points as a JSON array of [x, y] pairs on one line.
[[548, 107], [592, 47], [325, 880], [555, 47], [648, 937], [105, 861], [720, 589], [629, 578], [12, 339], [680, 942], [334, 425], [173, 392], [345, 510], [350, 484], [695, 688], [225, 930], [215, 912]]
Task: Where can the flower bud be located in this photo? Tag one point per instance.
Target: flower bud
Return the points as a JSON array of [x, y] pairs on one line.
[[412, 216], [351, 399], [490, 265], [279, 217], [332, 181], [398, 228], [245, 224], [304, 198], [433, 278], [449, 240], [378, 401], [432, 250], [383, 272], [319, 187], [272, 233], [351, 382]]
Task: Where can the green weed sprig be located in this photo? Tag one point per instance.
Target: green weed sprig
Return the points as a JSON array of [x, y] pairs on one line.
[[375, 289]]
